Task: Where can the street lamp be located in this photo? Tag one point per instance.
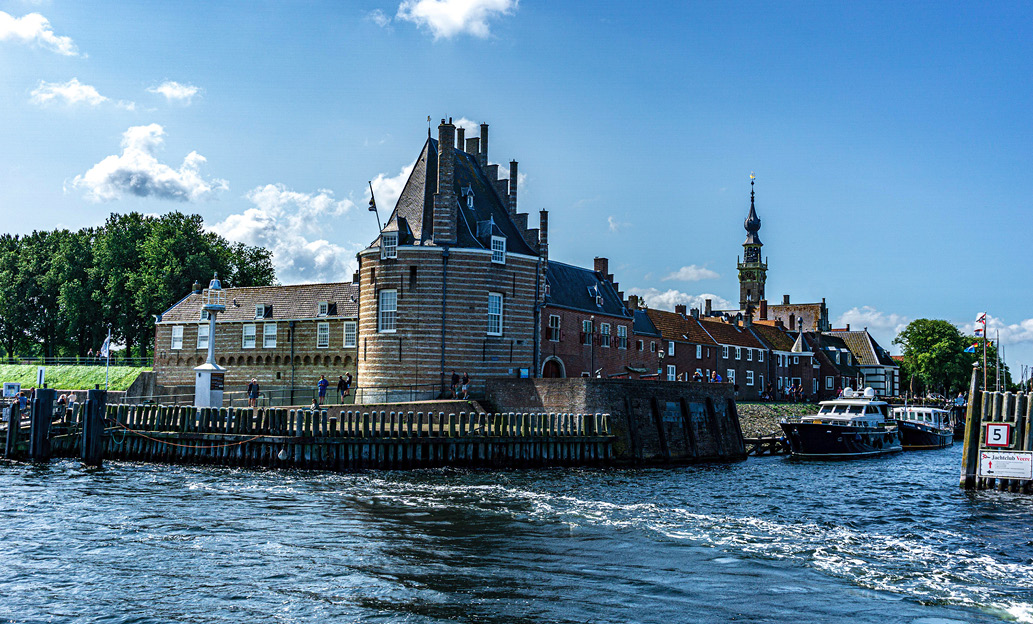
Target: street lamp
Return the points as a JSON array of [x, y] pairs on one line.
[[591, 338]]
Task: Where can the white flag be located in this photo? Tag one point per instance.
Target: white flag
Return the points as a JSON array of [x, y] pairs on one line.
[[105, 349]]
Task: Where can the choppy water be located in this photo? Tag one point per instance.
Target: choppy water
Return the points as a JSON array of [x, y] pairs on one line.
[[769, 540]]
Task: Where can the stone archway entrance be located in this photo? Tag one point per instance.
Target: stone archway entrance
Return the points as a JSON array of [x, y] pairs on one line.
[[553, 368]]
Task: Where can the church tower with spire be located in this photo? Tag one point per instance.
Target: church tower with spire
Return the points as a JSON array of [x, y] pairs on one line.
[[752, 271]]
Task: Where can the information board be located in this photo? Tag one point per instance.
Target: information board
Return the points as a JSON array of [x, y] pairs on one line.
[[997, 434], [1006, 464], [218, 380], [11, 389]]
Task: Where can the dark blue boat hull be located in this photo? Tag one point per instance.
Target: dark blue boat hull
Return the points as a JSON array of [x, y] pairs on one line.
[[823, 441], [915, 436]]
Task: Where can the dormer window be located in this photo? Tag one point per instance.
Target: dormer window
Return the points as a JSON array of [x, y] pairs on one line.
[[324, 308], [204, 315], [260, 311], [389, 245], [469, 200], [498, 250]]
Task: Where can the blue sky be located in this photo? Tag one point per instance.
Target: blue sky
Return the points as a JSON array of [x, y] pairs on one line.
[[890, 140]]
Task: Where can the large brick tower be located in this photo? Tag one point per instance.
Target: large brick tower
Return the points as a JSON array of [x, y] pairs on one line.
[[453, 282], [752, 270]]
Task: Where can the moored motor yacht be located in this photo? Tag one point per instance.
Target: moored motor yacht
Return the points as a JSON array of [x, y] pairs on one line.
[[924, 427], [854, 425]]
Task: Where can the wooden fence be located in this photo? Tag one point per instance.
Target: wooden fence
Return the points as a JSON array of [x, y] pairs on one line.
[[1004, 461], [299, 438]]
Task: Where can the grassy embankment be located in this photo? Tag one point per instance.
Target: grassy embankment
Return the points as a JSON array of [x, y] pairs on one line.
[[759, 419], [72, 377]]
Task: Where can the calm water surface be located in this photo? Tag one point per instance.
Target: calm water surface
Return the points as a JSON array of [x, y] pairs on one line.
[[768, 540]]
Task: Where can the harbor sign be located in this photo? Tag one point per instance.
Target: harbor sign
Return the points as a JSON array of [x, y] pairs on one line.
[[1006, 464]]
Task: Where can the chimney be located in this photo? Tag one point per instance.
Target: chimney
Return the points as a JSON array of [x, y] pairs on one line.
[[792, 322], [492, 171], [602, 265], [848, 326], [763, 309], [708, 310], [747, 321], [445, 197], [512, 186], [461, 138], [695, 313], [679, 309], [633, 302], [472, 146], [483, 156], [543, 232], [785, 299], [355, 277]]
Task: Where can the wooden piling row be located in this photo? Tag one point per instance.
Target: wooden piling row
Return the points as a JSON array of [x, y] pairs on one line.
[[1013, 409]]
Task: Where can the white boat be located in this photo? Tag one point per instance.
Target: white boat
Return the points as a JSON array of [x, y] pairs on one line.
[[854, 425], [924, 427]]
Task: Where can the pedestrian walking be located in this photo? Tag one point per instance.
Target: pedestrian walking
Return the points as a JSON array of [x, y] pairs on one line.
[[252, 393], [342, 388], [455, 385], [322, 385], [466, 385], [347, 384]]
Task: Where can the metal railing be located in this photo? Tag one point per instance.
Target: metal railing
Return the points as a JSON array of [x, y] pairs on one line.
[[137, 362], [283, 396]]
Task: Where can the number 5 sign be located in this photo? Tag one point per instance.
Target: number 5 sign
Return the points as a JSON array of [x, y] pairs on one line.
[[997, 434]]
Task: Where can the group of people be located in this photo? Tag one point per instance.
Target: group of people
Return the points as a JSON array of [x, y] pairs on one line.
[[456, 388], [714, 377], [344, 387]]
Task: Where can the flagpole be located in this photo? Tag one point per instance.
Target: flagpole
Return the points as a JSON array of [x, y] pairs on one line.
[[107, 369], [984, 351], [373, 206]]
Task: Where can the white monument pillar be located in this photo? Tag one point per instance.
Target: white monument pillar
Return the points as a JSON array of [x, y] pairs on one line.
[[209, 377]]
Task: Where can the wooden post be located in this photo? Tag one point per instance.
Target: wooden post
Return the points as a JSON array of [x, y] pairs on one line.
[[14, 424], [973, 420], [39, 425], [93, 428]]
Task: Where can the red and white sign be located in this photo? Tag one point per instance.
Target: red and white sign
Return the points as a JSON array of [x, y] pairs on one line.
[[997, 435], [1006, 464]]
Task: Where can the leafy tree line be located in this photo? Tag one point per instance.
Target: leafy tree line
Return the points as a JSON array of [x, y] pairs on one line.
[[60, 290], [935, 359]]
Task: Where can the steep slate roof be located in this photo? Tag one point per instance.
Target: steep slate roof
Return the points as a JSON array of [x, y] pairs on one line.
[[820, 345], [674, 326], [300, 301], [574, 288], [774, 337], [643, 325], [728, 334], [414, 212], [865, 349]]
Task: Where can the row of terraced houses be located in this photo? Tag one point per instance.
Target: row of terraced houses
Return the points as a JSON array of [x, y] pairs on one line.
[[458, 281]]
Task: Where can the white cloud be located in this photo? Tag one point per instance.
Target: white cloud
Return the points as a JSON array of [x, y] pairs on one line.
[[1017, 332], [473, 128], [691, 273], [35, 29], [882, 326], [176, 92], [379, 18], [389, 189], [615, 225], [448, 18], [138, 172], [288, 223], [71, 93], [667, 299]]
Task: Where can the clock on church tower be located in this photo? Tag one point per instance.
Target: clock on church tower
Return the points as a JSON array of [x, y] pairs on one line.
[[752, 271]]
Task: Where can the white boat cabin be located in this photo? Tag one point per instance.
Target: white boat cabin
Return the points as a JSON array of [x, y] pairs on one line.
[[853, 408], [931, 416]]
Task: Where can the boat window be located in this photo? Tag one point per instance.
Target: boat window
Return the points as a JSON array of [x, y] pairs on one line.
[[825, 410], [856, 409]]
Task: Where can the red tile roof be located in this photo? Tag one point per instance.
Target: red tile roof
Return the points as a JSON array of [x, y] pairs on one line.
[[728, 334], [678, 327], [300, 301]]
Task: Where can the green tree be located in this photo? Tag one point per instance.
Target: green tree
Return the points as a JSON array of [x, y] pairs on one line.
[[41, 289], [116, 260], [14, 312], [934, 354], [82, 314]]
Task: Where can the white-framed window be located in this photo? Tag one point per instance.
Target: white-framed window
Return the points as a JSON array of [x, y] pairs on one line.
[[323, 336], [738, 353], [814, 386], [672, 372], [622, 336], [652, 346], [760, 356], [202, 336], [494, 314], [670, 348], [604, 335], [639, 345], [350, 334], [269, 336], [259, 311], [699, 352], [389, 245], [553, 331], [762, 387], [749, 378], [779, 380], [796, 359], [724, 351], [177, 336], [498, 250], [731, 376], [829, 382], [749, 354], [248, 336], [586, 331], [324, 308], [204, 315], [387, 310]]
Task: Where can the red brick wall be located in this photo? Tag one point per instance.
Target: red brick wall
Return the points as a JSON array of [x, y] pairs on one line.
[[577, 358]]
